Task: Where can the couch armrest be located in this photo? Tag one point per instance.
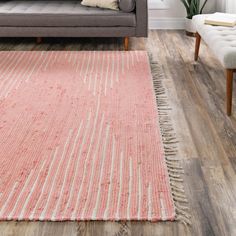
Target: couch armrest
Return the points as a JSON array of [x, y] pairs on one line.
[[141, 18]]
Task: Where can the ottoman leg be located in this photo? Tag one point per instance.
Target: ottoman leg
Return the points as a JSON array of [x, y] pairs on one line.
[[230, 75], [197, 46]]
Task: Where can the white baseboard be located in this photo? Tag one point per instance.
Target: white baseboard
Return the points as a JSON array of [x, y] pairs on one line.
[[166, 23]]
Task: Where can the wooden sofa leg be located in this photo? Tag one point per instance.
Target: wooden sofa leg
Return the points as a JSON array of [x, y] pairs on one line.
[[197, 46], [126, 43], [39, 40], [230, 75]]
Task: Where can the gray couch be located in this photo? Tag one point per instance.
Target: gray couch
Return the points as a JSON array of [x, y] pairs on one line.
[[68, 18]]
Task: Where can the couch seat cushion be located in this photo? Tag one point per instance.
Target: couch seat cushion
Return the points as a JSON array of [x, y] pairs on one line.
[[60, 13]]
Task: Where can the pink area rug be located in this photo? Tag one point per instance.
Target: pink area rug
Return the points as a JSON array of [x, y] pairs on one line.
[[80, 138]]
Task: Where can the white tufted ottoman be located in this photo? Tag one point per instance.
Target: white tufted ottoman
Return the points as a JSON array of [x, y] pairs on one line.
[[222, 41]]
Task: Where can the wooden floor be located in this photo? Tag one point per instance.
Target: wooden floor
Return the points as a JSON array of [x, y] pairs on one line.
[[207, 138]]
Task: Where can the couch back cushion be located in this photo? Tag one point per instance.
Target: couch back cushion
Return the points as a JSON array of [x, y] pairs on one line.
[[127, 5]]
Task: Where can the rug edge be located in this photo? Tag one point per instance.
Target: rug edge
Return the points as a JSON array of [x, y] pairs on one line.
[[169, 141]]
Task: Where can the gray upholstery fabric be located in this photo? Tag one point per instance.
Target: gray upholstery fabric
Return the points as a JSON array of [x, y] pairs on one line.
[[67, 18], [67, 31], [141, 18], [221, 40], [127, 5], [60, 13]]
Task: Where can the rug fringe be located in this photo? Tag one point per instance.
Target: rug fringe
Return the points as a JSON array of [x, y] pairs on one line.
[[169, 140]]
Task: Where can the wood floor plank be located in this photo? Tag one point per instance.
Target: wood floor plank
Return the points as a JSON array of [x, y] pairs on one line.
[[207, 137]]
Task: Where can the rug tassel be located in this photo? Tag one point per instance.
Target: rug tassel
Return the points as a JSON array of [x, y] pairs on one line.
[[169, 142], [183, 219], [174, 176], [174, 166], [176, 171], [181, 207], [175, 179], [172, 159], [183, 213], [180, 195]]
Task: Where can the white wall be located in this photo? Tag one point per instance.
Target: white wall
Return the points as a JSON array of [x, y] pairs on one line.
[[220, 5], [170, 18], [173, 17], [175, 9], [231, 6], [226, 6]]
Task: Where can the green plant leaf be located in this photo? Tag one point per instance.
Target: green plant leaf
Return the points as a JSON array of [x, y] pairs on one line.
[[193, 7], [204, 4]]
